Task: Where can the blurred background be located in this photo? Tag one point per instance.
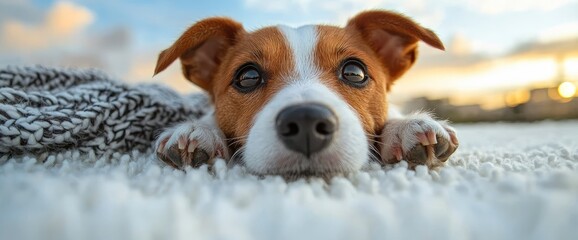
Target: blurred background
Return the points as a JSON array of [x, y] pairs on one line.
[[514, 60]]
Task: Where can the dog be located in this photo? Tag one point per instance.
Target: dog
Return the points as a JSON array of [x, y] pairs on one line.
[[307, 101]]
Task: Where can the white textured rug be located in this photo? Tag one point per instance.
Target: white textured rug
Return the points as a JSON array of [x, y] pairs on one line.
[[507, 181]]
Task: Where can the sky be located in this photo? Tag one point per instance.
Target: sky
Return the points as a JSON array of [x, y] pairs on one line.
[[492, 45]]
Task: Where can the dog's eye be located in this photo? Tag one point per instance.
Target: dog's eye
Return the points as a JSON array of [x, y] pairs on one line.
[[354, 73], [248, 78]]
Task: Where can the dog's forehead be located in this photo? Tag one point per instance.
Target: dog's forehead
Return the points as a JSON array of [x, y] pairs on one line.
[[302, 41], [303, 37]]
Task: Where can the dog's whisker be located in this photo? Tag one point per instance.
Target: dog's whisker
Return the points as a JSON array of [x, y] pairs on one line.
[[371, 147], [238, 152], [374, 153], [235, 142], [371, 134], [235, 138], [235, 158], [372, 138], [376, 142]]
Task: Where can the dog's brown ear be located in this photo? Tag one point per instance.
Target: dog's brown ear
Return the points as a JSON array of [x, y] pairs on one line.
[[394, 38], [201, 49]]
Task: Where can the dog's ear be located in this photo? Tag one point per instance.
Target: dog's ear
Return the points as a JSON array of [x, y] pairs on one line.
[[201, 49], [393, 37]]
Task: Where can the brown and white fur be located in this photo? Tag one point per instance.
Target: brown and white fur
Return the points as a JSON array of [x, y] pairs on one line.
[[301, 66]]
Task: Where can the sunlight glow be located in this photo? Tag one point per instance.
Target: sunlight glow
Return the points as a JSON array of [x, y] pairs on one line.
[[506, 74], [571, 68], [567, 89]]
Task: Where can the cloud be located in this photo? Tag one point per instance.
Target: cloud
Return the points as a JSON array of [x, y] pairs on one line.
[[142, 67], [60, 38], [113, 39], [341, 10], [501, 6], [335, 5], [460, 45], [63, 21], [559, 47], [303, 5], [486, 6], [109, 49], [563, 31], [460, 51], [463, 52], [19, 9]]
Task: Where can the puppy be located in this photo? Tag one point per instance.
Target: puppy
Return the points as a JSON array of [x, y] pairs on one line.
[[307, 101]]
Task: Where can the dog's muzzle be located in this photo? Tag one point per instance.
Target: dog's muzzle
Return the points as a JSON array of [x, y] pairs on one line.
[[306, 128]]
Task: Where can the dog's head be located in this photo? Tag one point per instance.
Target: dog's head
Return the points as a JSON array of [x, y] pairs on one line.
[[305, 100]]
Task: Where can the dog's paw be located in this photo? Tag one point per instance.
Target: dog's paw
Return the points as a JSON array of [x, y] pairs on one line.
[[418, 139], [190, 144]]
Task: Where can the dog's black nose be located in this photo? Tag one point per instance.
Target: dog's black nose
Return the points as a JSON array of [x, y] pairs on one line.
[[306, 128]]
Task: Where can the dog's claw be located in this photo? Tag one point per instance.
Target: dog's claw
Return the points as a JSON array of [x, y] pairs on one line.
[[220, 153], [398, 153], [182, 142], [192, 146], [431, 137], [161, 146], [453, 137], [423, 139]]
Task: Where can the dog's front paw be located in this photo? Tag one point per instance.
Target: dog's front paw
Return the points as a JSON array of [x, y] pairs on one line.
[[418, 139], [190, 144]]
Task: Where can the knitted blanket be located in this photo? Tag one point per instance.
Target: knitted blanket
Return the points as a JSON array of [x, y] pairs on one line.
[[49, 110]]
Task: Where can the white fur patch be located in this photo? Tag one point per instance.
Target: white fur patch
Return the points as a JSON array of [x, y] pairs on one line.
[[302, 42]]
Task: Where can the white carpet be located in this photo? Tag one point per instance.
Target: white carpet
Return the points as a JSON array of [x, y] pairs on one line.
[[506, 181]]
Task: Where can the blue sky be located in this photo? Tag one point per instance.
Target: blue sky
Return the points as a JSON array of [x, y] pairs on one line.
[[124, 37]]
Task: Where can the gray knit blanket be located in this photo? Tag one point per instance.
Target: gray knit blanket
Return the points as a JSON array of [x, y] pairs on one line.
[[49, 110]]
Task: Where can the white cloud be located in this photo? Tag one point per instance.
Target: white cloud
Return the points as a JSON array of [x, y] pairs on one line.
[[63, 21], [503, 6], [485, 6], [303, 5], [341, 10], [460, 45], [142, 68], [312, 5], [559, 32]]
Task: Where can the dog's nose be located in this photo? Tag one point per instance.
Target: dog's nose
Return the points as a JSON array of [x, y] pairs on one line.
[[306, 128]]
